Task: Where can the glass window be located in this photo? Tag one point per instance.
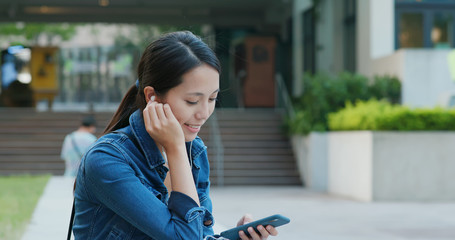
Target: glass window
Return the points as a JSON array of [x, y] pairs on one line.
[[441, 31], [349, 50], [309, 41], [411, 30]]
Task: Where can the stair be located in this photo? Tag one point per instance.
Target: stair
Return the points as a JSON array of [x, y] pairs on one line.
[[255, 150], [31, 141]]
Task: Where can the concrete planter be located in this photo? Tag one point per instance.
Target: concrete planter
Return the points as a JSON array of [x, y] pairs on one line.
[[311, 154], [381, 166]]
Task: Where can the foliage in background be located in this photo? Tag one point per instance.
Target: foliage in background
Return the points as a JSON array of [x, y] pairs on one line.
[[32, 31], [142, 34], [385, 87], [381, 115], [18, 198], [324, 94]]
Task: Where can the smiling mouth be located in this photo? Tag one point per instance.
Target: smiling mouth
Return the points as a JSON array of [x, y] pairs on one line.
[[195, 127]]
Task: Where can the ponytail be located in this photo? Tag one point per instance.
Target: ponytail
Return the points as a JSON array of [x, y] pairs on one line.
[[126, 108]]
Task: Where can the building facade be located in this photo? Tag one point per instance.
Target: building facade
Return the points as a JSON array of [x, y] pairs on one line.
[[410, 39]]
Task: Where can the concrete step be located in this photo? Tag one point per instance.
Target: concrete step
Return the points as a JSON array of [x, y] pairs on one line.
[[256, 151]]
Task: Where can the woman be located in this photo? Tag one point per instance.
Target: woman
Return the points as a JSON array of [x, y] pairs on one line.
[[147, 177]]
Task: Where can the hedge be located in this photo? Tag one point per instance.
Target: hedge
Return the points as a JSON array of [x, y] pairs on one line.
[[383, 116], [324, 94]]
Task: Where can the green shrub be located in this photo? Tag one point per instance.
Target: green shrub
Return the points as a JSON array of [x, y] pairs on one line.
[[361, 116], [419, 119], [386, 87], [381, 115], [324, 94]]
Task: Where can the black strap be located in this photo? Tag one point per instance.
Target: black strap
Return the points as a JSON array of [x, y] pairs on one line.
[[78, 150], [70, 228]]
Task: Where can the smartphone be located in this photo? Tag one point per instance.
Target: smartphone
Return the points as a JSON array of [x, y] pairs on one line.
[[274, 220]]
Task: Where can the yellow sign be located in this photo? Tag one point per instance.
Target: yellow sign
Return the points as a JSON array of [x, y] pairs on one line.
[[43, 65]]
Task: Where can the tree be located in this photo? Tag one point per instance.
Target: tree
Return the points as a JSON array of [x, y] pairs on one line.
[[32, 32]]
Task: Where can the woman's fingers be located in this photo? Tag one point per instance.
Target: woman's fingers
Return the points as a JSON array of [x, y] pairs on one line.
[[255, 236], [160, 112], [161, 124], [243, 236], [272, 230], [264, 233], [168, 112], [151, 119], [148, 115]]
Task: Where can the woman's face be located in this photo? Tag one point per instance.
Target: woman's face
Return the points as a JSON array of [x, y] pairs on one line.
[[193, 101]]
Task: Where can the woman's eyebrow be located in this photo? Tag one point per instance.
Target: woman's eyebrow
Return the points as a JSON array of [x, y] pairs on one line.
[[201, 94]]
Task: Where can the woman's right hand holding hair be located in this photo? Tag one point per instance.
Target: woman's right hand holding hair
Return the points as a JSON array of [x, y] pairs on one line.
[[165, 130], [162, 125]]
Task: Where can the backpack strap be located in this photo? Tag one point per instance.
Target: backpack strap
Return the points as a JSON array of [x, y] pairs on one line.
[[70, 228], [74, 143]]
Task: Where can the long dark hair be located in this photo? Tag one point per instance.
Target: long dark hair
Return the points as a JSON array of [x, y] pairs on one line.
[[162, 65]]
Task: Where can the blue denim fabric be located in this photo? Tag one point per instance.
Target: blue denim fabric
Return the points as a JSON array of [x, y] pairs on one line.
[[120, 192]]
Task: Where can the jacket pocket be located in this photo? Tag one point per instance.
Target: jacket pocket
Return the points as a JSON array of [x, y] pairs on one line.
[[119, 229], [116, 234]]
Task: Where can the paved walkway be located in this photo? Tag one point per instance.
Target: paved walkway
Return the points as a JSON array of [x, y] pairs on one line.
[[313, 216], [50, 219]]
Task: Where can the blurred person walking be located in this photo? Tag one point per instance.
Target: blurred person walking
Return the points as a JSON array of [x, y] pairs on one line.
[[76, 144]]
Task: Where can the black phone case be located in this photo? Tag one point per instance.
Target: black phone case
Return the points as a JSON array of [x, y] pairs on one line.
[[274, 220]]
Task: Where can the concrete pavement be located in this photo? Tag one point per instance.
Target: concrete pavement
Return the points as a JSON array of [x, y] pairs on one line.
[[317, 216], [52, 213], [314, 216]]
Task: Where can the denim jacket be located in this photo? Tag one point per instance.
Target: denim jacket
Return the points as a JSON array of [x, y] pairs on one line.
[[120, 191]]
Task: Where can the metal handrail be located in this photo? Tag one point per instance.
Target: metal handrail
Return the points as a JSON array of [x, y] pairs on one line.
[[217, 146], [282, 98]]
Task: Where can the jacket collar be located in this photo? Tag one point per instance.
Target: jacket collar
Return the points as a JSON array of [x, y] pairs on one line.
[[149, 147]]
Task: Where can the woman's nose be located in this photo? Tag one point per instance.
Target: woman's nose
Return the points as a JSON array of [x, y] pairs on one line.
[[203, 112]]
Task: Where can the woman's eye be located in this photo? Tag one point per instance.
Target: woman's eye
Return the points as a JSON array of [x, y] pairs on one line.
[[213, 99], [192, 103]]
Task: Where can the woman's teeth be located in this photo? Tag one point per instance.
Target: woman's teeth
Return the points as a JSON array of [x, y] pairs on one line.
[[193, 126]]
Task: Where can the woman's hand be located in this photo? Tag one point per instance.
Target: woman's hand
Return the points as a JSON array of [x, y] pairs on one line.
[[166, 130], [162, 125], [265, 232]]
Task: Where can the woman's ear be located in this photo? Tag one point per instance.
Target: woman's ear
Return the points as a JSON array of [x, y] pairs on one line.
[[149, 92]]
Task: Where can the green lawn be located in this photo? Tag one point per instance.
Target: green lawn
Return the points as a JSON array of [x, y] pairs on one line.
[[18, 198]]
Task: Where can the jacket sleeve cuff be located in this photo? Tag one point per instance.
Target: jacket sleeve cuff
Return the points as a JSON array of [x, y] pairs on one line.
[[184, 206]]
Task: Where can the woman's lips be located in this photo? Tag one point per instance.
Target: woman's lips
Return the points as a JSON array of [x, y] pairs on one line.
[[193, 128]]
